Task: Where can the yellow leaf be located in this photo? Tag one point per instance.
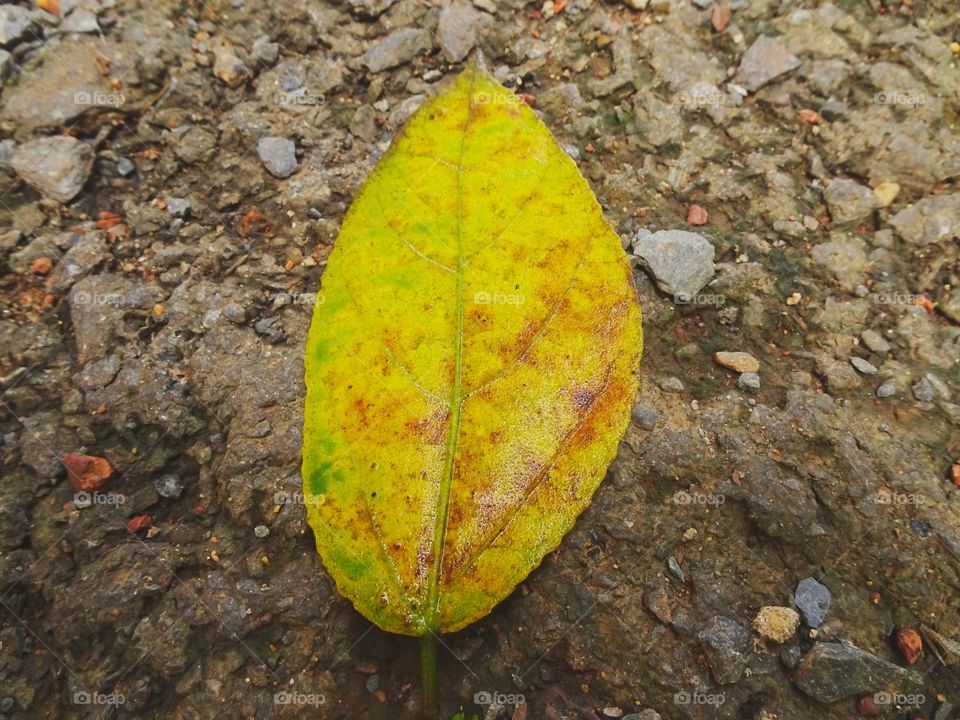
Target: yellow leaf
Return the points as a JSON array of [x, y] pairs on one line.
[[470, 367]]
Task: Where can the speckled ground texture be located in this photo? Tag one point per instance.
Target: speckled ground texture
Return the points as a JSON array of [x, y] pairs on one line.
[[156, 279]]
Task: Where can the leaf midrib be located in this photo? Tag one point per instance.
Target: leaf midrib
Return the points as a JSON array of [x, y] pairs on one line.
[[456, 400]]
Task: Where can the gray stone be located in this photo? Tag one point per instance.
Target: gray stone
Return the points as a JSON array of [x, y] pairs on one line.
[[195, 144], [839, 375], [178, 207], [681, 262], [813, 601], [929, 388], [266, 51], [863, 366], [671, 384], [99, 373], [749, 381], [764, 61], [234, 312], [931, 220], [875, 341], [57, 167], [15, 23], [844, 256], [229, 66], [849, 201], [278, 155], [888, 389], [457, 29], [80, 20], [370, 8], [88, 251], [645, 416], [67, 84], [727, 646], [832, 671], [169, 486], [125, 167], [399, 47]]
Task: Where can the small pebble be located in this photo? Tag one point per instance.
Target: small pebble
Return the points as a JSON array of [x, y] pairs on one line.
[[749, 381], [645, 416], [886, 390], [278, 155], [125, 167], [813, 600], [740, 361], [863, 366], [261, 531], [675, 568], [777, 623], [169, 486], [671, 384]]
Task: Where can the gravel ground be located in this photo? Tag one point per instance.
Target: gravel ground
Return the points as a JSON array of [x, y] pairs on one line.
[[779, 537]]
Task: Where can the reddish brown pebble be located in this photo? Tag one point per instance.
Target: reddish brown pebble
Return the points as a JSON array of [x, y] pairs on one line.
[[955, 473], [87, 472], [720, 17], [696, 215], [41, 266], [810, 116], [138, 523], [909, 644], [868, 707]]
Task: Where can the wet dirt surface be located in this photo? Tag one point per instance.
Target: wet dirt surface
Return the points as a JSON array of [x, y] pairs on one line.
[[784, 174]]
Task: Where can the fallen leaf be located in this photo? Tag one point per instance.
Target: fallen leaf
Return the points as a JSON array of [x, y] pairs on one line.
[[87, 472], [467, 382]]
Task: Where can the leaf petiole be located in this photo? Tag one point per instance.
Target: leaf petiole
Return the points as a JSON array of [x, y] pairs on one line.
[[428, 673]]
